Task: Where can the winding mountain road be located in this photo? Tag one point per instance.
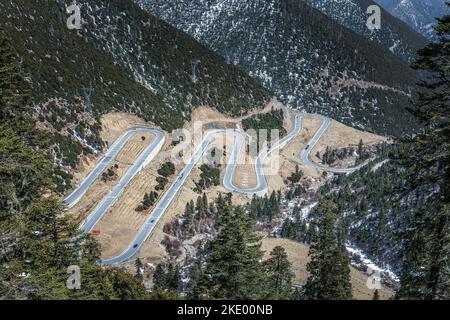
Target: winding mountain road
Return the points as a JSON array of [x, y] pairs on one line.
[[305, 153], [146, 156], [167, 198], [259, 164]]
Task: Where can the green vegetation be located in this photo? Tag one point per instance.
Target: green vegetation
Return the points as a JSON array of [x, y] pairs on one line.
[[296, 228], [265, 208], [280, 274], [110, 173], [230, 265], [267, 121], [38, 241], [425, 272], [400, 202], [329, 270], [294, 192], [167, 169], [296, 176], [149, 201], [167, 278], [209, 176]]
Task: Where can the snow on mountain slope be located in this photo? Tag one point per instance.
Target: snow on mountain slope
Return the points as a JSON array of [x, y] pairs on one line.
[[419, 14], [352, 14], [310, 61]]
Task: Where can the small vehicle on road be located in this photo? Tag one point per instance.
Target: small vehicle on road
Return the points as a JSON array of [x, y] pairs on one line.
[[307, 147], [135, 246]]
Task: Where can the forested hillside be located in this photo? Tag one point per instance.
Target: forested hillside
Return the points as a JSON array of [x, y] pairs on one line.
[[398, 209], [38, 242], [419, 14], [310, 61], [394, 34], [133, 61]]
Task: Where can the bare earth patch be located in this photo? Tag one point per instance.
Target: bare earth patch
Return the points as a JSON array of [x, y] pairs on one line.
[[298, 256], [120, 224], [339, 135], [124, 160]]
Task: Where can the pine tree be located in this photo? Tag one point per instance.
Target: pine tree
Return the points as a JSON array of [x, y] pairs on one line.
[[15, 97], [361, 150], [279, 270], [188, 213], [173, 278], [329, 271], [205, 203], [139, 269], [425, 274], [91, 250], [232, 259], [376, 295], [159, 278]]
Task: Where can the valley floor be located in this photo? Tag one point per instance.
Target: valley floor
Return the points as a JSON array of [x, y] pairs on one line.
[[118, 227]]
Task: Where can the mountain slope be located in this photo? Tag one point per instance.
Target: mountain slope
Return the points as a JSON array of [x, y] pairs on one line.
[[394, 34], [379, 201], [419, 14], [134, 62], [308, 60]]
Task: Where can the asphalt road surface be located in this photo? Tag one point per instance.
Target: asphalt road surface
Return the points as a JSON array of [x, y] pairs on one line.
[[168, 196]]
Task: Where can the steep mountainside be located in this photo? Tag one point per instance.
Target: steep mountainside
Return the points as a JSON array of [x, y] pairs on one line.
[[307, 59], [419, 14], [378, 203], [134, 62], [394, 34]]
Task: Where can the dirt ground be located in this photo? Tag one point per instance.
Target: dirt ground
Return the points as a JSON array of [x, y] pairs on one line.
[[339, 135], [124, 160], [298, 256], [120, 224], [153, 251], [113, 126]]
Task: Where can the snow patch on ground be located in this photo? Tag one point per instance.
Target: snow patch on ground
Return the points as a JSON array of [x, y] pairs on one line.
[[369, 263]]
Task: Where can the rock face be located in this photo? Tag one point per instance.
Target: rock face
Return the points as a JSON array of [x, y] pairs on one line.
[[419, 14], [311, 61]]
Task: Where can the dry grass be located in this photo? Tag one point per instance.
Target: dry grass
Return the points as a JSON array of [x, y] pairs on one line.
[[339, 135], [99, 189], [119, 226], [298, 256]]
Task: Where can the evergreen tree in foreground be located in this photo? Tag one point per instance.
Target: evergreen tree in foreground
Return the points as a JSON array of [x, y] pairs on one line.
[[38, 242], [166, 278], [426, 269], [279, 270], [329, 271], [376, 295], [233, 268]]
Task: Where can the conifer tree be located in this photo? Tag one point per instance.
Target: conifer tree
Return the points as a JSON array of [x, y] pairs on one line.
[[232, 259], [329, 271], [159, 277], [15, 97], [376, 295], [425, 274], [139, 269], [174, 278], [279, 270]]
